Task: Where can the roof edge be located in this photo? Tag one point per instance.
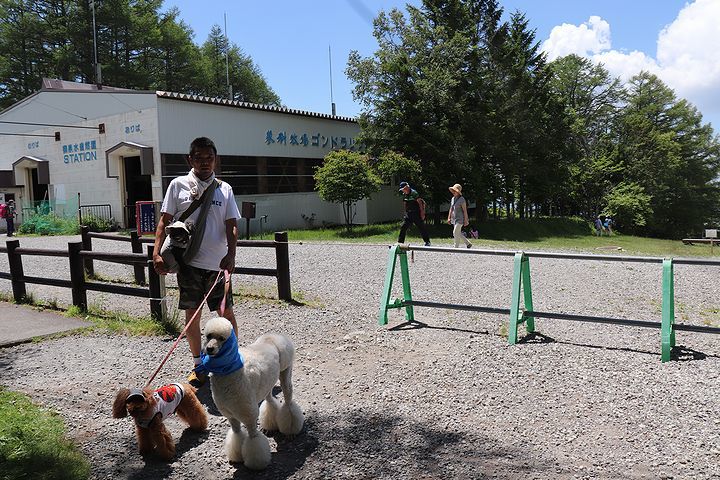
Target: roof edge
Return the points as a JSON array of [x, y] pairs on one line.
[[251, 106]]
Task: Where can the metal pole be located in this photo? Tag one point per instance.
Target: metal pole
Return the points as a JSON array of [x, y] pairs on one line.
[[98, 72], [332, 100], [227, 61]]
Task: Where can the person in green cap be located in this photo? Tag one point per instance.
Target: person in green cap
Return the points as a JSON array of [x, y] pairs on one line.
[[414, 213]]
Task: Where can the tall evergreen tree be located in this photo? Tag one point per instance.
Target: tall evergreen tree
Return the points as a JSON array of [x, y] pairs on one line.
[[664, 148], [591, 100], [138, 47], [245, 77]]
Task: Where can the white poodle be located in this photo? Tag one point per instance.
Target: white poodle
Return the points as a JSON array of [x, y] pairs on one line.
[[240, 378]]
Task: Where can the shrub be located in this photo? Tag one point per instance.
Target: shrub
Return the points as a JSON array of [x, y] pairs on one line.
[[49, 224], [99, 224]]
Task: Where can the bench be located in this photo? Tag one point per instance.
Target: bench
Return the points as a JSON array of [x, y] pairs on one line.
[[691, 241]]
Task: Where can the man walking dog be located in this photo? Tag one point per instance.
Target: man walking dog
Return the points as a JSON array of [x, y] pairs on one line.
[[212, 245]]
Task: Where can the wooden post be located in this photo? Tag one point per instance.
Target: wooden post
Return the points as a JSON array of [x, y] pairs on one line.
[[77, 275], [16, 271], [282, 258], [87, 245], [158, 306], [137, 248]]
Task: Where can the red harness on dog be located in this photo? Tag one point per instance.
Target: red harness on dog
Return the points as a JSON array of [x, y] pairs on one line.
[[167, 398]]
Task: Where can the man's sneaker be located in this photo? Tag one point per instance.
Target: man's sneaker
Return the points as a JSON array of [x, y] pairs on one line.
[[469, 245], [427, 244], [197, 380]]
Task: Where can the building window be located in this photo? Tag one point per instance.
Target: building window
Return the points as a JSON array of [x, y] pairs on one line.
[[253, 175]]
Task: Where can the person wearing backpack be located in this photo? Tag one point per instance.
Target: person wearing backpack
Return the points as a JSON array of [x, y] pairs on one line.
[[458, 215], [9, 215], [414, 212]]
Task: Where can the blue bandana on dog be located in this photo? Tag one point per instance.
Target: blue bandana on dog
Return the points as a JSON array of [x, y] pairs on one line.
[[228, 359]]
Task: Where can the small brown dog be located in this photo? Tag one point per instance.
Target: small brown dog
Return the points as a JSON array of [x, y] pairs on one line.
[[149, 408]]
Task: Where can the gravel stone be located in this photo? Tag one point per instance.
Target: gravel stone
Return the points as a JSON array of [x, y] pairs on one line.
[[443, 398]]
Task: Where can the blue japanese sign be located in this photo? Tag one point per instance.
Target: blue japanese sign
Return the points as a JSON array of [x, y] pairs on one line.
[[317, 140], [80, 152], [145, 217]]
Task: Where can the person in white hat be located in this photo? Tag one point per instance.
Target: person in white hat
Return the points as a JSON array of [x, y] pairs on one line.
[[458, 215]]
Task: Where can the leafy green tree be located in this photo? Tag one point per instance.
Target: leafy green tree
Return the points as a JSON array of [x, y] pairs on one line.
[[138, 47], [180, 59], [663, 146], [393, 166], [629, 206], [465, 95], [21, 51], [591, 99], [246, 80], [345, 177]]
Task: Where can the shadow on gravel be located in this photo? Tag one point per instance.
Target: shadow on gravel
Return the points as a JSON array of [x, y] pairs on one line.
[[372, 444], [678, 353], [681, 353], [415, 325], [155, 468]]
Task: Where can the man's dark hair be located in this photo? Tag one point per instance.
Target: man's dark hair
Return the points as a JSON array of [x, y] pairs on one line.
[[202, 142]]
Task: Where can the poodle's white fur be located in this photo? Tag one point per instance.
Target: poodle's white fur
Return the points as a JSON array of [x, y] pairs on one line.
[[238, 394]]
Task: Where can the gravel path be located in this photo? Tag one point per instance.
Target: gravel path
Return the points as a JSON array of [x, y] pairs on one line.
[[447, 398]]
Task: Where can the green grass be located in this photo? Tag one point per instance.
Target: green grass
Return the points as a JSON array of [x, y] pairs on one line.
[[538, 233], [33, 443], [120, 322]]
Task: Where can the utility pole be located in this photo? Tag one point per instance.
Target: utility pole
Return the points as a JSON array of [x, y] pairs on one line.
[[332, 101], [227, 62], [98, 70]]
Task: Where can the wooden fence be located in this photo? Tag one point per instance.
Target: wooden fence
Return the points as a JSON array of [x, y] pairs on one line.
[[282, 257], [81, 260], [76, 255]]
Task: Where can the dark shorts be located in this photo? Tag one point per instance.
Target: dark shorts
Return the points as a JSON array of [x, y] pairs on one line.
[[194, 284]]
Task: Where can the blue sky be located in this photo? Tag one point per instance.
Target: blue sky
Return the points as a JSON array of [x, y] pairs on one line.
[[288, 40]]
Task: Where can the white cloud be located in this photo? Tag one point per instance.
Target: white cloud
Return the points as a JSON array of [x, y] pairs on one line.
[[591, 37], [689, 54], [687, 57]]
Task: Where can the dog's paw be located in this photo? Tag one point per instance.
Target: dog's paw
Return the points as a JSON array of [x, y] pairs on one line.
[[256, 452], [290, 419], [234, 445], [268, 414]]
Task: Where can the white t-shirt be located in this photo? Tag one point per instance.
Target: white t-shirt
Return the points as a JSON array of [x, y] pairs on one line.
[[223, 207]]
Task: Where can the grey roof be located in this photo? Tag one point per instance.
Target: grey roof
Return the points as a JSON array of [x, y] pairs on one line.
[[253, 106]]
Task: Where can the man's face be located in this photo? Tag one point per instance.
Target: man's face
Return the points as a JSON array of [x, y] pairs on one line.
[[203, 162], [406, 190]]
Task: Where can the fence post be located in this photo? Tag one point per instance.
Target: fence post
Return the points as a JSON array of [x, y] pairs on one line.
[[16, 271], [77, 275], [156, 283], [667, 333], [282, 258], [387, 288], [515, 309], [87, 245], [137, 248], [407, 294]]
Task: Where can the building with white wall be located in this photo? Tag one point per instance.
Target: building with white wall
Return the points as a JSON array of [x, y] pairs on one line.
[[116, 147]]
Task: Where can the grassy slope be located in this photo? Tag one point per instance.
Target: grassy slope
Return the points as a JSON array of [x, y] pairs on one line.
[[540, 233], [33, 443]]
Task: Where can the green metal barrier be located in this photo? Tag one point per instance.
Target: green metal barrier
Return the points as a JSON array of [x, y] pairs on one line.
[[521, 302]]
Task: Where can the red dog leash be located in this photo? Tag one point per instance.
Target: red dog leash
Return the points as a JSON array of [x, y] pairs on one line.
[[187, 325]]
